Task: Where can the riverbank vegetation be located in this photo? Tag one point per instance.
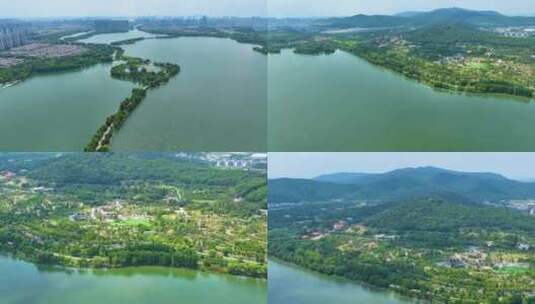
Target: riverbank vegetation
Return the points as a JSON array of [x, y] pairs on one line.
[[116, 210], [30, 66], [140, 71], [469, 61], [239, 34], [435, 250], [446, 56]]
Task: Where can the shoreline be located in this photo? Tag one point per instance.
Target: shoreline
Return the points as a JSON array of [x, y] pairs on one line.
[[452, 91], [101, 141], [66, 268], [362, 284], [94, 54], [264, 51]]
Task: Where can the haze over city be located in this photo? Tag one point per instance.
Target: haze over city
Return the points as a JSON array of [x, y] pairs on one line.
[[131, 8], [309, 165], [243, 8]]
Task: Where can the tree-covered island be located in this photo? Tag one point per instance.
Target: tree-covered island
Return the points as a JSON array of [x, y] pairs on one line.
[[54, 48], [139, 71]]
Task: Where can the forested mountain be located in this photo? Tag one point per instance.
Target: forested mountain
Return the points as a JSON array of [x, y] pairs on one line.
[[114, 168], [401, 184], [445, 15], [344, 177], [365, 21], [426, 233], [448, 216], [437, 250], [296, 190]]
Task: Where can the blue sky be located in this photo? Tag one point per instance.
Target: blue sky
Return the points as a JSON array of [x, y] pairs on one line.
[[278, 8], [306, 165]]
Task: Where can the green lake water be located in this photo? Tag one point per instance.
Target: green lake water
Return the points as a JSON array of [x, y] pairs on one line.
[[114, 37], [293, 285], [60, 111], [220, 99], [25, 283], [340, 102], [216, 103]]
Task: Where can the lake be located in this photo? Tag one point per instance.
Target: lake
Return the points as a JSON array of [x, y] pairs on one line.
[[114, 37], [26, 283], [340, 102], [59, 111], [216, 103], [290, 284]]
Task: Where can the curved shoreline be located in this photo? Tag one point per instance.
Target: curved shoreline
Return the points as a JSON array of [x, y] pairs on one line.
[[73, 268], [134, 70], [333, 277], [264, 49], [385, 69], [108, 144], [449, 90], [361, 284], [102, 138]]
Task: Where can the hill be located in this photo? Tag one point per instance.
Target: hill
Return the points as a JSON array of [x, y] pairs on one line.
[[287, 190], [449, 216], [402, 184], [365, 21], [439, 16]]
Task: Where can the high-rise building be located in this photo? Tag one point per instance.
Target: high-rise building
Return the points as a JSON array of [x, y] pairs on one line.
[[12, 37]]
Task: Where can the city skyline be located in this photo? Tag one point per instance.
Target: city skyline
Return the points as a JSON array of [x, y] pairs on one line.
[[243, 8], [310, 165], [131, 8]]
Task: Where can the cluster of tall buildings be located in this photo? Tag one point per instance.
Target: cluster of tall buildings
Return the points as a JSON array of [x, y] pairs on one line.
[[12, 37]]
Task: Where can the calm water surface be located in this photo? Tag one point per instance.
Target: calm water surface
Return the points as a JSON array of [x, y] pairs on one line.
[[25, 283], [60, 111], [113, 37], [340, 102], [293, 285], [216, 103]]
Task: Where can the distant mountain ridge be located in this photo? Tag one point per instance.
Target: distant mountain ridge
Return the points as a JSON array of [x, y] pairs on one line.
[[438, 16], [401, 184], [347, 177]]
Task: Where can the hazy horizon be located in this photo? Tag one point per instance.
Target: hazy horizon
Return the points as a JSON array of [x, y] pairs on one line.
[[309, 165], [28, 9], [333, 8], [25, 9]]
